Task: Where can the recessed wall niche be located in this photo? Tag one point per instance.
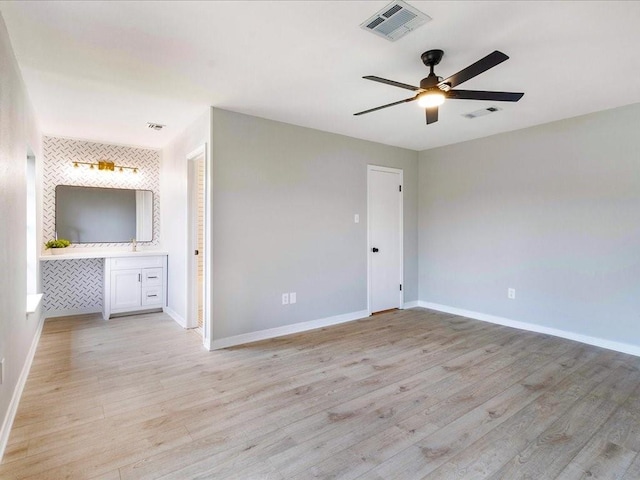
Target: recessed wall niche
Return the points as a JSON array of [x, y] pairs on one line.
[[75, 286]]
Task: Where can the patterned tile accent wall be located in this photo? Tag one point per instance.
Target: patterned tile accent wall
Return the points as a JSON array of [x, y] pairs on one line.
[[76, 285], [59, 153], [72, 285]]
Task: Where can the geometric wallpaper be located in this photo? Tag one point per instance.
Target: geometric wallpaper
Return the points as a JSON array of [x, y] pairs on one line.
[[59, 153], [72, 286], [75, 286]]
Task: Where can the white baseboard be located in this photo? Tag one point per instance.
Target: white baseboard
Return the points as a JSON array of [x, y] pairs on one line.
[[286, 330], [17, 393], [532, 327], [176, 317], [71, 312], [413, 304]]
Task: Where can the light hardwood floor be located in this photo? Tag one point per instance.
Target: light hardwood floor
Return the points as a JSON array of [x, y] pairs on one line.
[[403, 395]]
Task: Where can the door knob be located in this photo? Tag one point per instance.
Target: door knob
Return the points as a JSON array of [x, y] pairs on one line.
[[374, 250]]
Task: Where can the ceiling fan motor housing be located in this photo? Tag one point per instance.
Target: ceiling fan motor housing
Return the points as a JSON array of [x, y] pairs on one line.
[[430, 82]]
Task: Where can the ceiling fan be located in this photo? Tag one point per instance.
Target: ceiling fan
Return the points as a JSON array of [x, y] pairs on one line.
[[433, 90]]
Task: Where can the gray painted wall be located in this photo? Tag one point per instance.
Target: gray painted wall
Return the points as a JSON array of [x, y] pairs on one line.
[[19, 132], [284, 198], [552, 211]]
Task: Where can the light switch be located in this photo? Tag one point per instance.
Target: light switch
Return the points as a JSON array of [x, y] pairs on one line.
[[292, 297], [356, 218]]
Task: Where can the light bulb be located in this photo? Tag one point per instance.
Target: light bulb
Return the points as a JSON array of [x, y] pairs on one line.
[[431, 98]]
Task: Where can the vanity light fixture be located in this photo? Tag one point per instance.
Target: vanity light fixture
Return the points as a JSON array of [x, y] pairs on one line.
[[105, 165]]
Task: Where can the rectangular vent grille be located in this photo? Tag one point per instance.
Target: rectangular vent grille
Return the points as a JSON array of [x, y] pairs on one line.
[[482, 112], [376, 22], [395, 9], [395, 20]]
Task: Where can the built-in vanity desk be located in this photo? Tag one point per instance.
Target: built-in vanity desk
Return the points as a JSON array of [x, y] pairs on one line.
[[133, 281]]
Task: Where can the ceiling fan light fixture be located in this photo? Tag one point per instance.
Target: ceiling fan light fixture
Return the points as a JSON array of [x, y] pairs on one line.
[[432, 98], [433, 91]]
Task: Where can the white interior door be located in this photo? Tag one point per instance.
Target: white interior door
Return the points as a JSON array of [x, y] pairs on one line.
[[384, 186]]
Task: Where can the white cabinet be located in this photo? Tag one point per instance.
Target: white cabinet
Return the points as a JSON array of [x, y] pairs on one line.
[[134, 283]]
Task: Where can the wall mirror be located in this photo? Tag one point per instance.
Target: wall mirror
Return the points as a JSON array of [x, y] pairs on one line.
[[103, 215]]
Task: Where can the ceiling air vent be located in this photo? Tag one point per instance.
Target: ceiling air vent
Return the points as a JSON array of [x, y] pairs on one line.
[[155, 126], [482, 112], [395, 20]]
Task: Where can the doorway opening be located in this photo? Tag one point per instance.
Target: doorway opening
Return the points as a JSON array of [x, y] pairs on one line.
[[197, 252]]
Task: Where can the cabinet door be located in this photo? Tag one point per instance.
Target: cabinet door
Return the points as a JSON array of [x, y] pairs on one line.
[[125, 288]]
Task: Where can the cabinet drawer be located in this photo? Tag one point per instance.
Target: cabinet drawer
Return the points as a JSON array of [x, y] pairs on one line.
[[152, 296], [133, 262], [151, 277]]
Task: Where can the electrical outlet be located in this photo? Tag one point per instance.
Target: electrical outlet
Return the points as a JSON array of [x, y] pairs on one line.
[[356, 218], [292, 297], [285, 299], [511, 293]]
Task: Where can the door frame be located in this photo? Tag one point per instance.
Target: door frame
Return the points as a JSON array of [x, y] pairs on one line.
[[399, 171], [192, 267]]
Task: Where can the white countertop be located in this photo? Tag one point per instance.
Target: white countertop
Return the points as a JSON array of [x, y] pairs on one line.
[[75, 253]]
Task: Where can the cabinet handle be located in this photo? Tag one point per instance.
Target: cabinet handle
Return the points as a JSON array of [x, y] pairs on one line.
[[152, 277], [149, 296], [139, 277]]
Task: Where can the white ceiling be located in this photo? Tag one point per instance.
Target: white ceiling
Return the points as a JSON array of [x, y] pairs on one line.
[[101, 70]]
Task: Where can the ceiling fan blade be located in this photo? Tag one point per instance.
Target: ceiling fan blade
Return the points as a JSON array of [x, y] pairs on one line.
[[482, 95], [387, 105], [432, 114], [391, 82], [475, 69]]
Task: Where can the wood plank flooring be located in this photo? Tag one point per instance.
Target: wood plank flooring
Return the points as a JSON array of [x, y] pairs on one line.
[[407, 394]]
